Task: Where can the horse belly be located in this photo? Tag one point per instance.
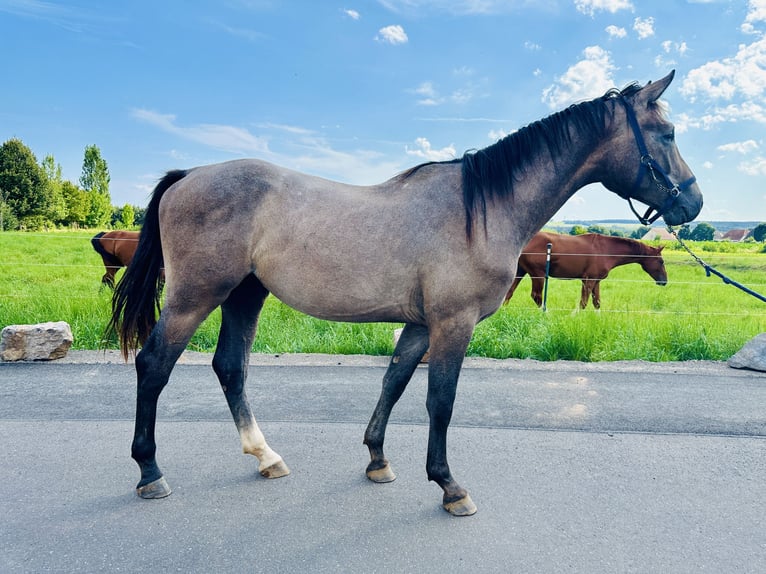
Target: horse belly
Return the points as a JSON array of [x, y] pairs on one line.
[[325, 298]]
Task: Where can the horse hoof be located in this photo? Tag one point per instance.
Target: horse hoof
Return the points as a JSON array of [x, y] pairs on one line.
[[382, 474], [157, 489], [276, 470], [461, 507]]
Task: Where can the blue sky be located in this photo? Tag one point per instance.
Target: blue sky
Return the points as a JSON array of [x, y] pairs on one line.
[[359, 90]]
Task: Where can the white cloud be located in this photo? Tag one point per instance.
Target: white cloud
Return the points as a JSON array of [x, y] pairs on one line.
[[353, 14], [428, 95], [394, 34], [740, 76], [426, 152], [756, 167], [231, 139], [756, 14], [590, 7], [586, 79], [644, 27], [743, 148], [495, 135], [616, 31]]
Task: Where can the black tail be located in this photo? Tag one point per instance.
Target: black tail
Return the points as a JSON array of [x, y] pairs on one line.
[[136, 300], [109, 258]]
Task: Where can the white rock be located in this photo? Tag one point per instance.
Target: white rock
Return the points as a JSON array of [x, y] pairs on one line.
[[40, 342]]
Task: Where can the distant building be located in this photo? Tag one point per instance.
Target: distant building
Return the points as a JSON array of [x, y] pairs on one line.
[[657, 233], [736, 235]]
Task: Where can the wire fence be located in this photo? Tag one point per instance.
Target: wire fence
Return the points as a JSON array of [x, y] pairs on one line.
[[741, 262]]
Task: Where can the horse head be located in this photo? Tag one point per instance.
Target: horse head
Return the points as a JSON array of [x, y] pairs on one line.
[[656, 173], [654, 265]]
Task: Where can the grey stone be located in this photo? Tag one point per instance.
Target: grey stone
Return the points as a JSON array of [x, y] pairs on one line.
[[40, 342], [752, 355]]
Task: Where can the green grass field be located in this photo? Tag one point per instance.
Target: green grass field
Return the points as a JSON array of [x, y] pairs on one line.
[[56, 277]]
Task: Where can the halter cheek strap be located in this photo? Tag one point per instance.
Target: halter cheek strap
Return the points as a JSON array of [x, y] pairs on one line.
[[660, 177]]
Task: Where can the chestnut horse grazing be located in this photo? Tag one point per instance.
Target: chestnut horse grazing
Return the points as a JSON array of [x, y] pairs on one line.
[[434, 247], [589, 257], [116, 249]]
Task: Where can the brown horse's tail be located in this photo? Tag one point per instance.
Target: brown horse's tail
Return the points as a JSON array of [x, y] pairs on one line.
[[136, 300], [109, 258]]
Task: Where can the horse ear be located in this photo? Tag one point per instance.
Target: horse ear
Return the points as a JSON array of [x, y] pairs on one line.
[[653, 90]]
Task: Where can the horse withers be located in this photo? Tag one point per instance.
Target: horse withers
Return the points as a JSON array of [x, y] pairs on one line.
[[116, 249], [589, 257], [434, 248]]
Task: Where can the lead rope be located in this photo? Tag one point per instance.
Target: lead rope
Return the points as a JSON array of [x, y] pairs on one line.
[[709, 270]]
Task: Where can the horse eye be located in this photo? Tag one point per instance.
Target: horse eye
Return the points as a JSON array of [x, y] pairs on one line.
[[669, 137]]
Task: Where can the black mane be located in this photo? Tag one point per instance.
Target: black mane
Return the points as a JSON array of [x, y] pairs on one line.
[[490, 172]]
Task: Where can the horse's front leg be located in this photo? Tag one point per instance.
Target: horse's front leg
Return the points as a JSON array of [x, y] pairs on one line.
[[448, 345], [413, 343]]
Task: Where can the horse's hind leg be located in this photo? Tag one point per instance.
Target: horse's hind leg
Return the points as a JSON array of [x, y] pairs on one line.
[[597, 294], [413, 342], [238, 325], [153, 366]]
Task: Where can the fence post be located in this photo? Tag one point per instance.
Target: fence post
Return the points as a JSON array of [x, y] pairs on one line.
[[547, 272]]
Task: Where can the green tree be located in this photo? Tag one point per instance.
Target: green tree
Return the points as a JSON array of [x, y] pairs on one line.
[[22, 185], [759, 233], [578, 230], [639, 232], [57, 208], [685, 232], [77, 204], [702, 232], [598, 229], [128, 216], [95, 182]]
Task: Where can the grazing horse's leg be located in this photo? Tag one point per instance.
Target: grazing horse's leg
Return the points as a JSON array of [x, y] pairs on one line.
[[597, 294], [537, 290], [589, 286], [520, 273], [449, 340], [153, 365], [584, 294], [239, 322], [412, 344]]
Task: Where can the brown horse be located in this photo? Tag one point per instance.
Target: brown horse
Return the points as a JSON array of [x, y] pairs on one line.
[[589, 257], [434, 247], [116, 249]]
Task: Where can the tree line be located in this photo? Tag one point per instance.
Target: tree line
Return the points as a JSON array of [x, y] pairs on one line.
[[34, 196], [703, 231]]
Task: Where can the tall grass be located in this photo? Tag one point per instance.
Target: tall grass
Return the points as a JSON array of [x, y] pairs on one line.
[[56, 276]]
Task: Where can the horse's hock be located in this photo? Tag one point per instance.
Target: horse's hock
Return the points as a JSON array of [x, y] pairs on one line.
[[40, 342]]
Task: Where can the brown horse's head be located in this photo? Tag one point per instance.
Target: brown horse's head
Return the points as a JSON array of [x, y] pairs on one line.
[[654, 264]]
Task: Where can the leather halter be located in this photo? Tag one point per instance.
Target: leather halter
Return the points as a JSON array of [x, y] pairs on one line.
[[659, 176]]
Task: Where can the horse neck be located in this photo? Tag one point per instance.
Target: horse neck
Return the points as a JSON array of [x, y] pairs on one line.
[[550, 180], [621, 251]]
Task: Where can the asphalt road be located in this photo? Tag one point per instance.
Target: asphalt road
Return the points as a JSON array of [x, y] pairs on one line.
[[607, 467]]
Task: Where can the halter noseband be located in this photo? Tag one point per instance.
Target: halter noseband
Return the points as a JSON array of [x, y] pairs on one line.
[[659, 176]]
